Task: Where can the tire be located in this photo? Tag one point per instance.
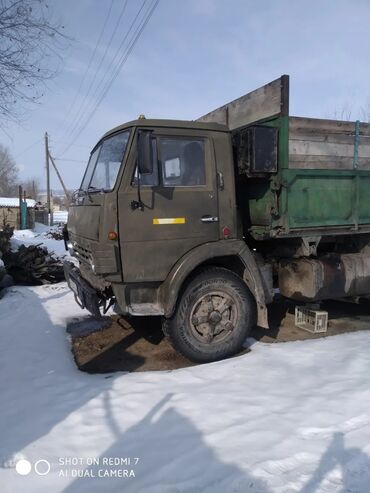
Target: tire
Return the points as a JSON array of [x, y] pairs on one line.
[[213, 317]]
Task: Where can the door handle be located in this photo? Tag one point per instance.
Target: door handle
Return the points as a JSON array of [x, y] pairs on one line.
[[220, 180], [209, 219]]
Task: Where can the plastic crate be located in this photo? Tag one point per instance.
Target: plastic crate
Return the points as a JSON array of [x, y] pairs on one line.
[[314, 321]]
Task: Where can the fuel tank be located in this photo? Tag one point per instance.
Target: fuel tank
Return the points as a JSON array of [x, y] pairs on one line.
[[332, 276]]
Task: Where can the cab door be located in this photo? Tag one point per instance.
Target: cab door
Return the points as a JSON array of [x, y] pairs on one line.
[[179, 204]]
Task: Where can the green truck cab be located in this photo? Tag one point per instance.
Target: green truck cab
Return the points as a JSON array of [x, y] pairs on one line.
[[200, 221]]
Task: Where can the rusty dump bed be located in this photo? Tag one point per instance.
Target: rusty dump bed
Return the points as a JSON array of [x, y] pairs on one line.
[[319, 183]]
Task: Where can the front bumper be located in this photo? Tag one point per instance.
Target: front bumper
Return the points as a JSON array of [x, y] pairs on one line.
[[85, 295]]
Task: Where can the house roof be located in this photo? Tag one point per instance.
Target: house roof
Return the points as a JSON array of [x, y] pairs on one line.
[[14, 202]]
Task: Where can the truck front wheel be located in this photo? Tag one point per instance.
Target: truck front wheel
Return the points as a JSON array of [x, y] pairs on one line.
[[213, 317]]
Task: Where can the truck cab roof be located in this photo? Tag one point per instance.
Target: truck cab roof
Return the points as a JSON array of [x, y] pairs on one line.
[[189, 124]]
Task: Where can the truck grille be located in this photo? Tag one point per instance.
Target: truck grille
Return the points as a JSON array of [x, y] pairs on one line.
[[82, 253], [102, 259]]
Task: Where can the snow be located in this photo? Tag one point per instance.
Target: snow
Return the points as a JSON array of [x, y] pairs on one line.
[[14, 202], [60, 216], [283, 418], [35, 237]]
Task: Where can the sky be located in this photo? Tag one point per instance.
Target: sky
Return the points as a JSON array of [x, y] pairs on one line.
[[193, 56]]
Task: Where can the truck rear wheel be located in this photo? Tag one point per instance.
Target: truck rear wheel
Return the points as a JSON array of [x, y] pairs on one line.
[[213, 318]]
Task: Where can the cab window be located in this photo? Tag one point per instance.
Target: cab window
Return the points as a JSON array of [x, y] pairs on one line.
[[109, 162], [182, 161], [177, 162], [90, 169]]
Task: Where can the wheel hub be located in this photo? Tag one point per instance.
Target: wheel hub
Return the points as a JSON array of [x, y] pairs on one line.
[[213, 317]]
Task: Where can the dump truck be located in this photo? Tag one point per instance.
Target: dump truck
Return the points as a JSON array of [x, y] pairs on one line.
[[202, 222]]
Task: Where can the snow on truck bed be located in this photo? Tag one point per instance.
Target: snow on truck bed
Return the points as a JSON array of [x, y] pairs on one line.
[[292, 417]]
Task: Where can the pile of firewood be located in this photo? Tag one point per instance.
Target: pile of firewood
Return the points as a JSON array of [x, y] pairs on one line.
[[5, 234], [55, 233], [32, 264]]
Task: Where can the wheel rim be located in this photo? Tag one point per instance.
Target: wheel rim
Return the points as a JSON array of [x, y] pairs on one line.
[[213, 317]]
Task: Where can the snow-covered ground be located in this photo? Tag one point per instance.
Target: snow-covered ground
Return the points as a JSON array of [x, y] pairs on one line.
[[60, 216], [292, 417], [284, 418], [36, 236]]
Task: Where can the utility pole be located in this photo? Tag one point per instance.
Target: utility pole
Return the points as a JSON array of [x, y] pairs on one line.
[[47, 174], [20, 194], [60, 177]]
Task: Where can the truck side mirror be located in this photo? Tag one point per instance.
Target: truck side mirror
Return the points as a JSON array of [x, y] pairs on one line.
[[145, 152]]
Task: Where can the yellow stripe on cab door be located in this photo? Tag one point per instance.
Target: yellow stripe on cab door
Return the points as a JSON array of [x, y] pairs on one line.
[[169, 220]]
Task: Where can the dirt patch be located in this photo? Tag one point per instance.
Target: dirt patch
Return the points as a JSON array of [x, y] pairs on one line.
[[343, 317], [137, 344]]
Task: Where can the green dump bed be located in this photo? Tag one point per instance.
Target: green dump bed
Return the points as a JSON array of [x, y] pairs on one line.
[[326, 178], [317, 177]]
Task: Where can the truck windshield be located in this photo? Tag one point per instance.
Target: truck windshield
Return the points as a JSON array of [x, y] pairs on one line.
[[105, 162]]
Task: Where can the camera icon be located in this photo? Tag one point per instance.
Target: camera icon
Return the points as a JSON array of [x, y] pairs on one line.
[[41, 467]]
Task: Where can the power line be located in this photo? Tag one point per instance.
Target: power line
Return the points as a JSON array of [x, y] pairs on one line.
[[59, 176], [134, 39], [57, 141], [79, 111], [82, 110], [28, 148], [2, 128], [87, 70], [70, 160], [111, 77]]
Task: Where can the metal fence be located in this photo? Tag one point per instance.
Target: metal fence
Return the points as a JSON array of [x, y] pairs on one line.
[[56, 217], [41, 216]]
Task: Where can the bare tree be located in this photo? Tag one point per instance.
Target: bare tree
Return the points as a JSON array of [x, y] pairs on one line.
[[28, 45], [8, 174], [62, 201], [365, 112], [343, 113], [32, 187]]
